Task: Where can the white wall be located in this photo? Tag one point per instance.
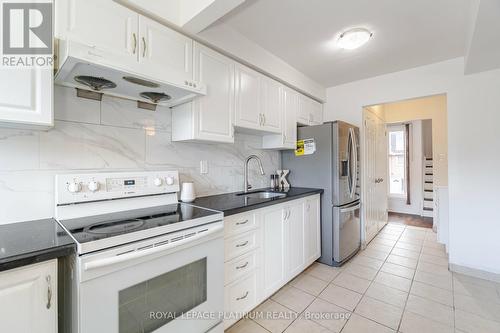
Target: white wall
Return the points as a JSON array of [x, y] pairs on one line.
[[473, 139], [112, 135]]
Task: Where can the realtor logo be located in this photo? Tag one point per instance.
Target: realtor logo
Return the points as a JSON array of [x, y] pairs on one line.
[[27, 28]]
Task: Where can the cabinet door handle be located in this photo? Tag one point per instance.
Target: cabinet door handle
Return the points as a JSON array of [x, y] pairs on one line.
[[242, 223], [242, 297], [242, 244], [242, 266], [49, 292], [145, 47], [134, 49]]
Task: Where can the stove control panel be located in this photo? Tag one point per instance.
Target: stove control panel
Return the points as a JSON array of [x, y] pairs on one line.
[[76, 188]]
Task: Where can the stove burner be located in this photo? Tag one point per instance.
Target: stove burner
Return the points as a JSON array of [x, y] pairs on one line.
[[117, 227]]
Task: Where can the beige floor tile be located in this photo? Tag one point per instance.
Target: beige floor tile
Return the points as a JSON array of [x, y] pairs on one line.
[[246, 326], [343, 297], [374, 254], [434, 252], [414, 323], [408, 246], [387, 294], [309, 284], [386, 235], [432, 293], [475, 281], [440, 281], [380, 247], [384, 241], [403, 261], [478, 306], [477, 291], [361, 271], [434, 259], [414, 233], [380, 312], [471, 323], [323, 272], [411, 240], [358, 324], [430, 309], [368, 262], [302, 325], [327, 315], [351, 282], [393, 281], [398, 270], [293, 298], [434, 245], [275, 317], [405, 253], [433, 268]]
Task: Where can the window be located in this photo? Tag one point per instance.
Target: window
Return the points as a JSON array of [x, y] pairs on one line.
[[397, 160]]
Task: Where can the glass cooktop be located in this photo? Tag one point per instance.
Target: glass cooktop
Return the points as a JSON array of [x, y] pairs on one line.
[[97, 227]]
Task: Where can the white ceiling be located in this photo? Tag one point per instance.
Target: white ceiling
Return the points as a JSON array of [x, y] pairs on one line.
[[406, 34]]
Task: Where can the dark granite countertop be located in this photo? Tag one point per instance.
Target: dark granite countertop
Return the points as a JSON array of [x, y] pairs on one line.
[[232, 203], [30, 242]]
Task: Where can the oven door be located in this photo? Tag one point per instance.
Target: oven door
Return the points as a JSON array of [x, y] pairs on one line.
[[172, 283]]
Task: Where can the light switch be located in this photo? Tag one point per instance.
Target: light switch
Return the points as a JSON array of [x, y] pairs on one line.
[[203, 167]]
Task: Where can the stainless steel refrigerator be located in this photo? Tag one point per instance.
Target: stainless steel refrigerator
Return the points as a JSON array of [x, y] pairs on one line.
[[331, 161]]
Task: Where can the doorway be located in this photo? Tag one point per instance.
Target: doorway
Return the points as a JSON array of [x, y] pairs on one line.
[[405, 163]]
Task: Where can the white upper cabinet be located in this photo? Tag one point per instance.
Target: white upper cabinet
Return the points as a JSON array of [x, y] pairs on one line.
[[124, 38], [272, 106], [165, 50], [26, 97], [248, 113], [310, 112], [105, 25], [287, 139], [28, 299], [210, 117]]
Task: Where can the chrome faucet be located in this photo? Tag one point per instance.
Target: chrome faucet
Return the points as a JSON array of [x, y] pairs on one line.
[[247, 186]]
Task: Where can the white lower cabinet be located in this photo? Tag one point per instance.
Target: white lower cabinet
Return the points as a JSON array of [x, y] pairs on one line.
[[28, 299], [283, 240]]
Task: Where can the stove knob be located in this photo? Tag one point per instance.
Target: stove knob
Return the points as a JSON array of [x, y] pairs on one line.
[[74, 187], [93, 186], [170, 180], [158, 182]]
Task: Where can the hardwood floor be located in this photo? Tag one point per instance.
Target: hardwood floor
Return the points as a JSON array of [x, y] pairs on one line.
[[412, 220]]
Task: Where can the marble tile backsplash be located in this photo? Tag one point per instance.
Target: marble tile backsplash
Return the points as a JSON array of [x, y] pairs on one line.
[[112, 135]]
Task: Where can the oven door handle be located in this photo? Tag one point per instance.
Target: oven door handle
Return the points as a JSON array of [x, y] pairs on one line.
[[99, 263]]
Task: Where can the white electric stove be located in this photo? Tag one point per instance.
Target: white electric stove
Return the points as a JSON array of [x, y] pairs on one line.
[[144, 262]]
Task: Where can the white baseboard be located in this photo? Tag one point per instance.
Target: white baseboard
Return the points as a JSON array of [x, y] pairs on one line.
[[477, 273]]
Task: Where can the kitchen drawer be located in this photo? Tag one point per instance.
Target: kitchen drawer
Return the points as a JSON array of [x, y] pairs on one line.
[[240, 244], [239, 223], [241, 296], [240, 266]]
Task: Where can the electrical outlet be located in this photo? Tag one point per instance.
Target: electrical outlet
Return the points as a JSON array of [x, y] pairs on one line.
[[203, 167]]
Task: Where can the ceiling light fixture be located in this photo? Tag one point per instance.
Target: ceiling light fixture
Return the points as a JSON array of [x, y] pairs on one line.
[[354, 38]]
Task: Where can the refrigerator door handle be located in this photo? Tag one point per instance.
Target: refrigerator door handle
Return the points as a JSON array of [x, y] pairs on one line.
[[350, 209], [355, 152], [350, 152]]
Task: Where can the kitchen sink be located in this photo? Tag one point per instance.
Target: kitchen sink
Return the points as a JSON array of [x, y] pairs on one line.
[[263, 195]]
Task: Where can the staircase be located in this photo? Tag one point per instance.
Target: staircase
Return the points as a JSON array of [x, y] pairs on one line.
[[428, 177]]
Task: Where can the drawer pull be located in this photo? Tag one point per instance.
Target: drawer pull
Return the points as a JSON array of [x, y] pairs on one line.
[[242, 266], [242, 297], [242, 223], [242, 244]]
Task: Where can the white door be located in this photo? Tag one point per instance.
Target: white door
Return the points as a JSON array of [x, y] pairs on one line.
[[105, 25], [294, 224], [291, 104], [272, 107], [312, 233], [26, 96], [375, 200], [164, 51], [248, 98], [28, 299], [274, 252], [214, 112]]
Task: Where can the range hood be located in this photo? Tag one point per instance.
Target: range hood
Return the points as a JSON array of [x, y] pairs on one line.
[[85, 67]]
